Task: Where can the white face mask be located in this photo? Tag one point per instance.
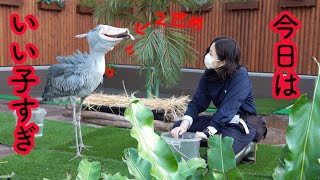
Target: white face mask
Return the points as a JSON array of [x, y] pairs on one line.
[[208, 60]]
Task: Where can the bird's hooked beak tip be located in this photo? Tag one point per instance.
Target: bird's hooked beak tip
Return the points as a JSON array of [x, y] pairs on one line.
[[132, 37]]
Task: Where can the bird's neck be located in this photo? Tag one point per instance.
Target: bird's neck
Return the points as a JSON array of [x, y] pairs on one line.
[[99, 58]]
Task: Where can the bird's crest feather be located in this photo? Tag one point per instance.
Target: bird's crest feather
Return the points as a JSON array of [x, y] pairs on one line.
[[76, 58]]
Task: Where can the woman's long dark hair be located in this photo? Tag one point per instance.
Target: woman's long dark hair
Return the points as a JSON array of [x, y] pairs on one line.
[[227, 49]]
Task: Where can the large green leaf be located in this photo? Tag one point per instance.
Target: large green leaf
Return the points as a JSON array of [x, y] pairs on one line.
[[154, 149], [198, 175], [137, 166], [303, 138], [279, 173], [188, 168], [150, 146], [232, 174], [221, 157], [113, 177], [89, 170]]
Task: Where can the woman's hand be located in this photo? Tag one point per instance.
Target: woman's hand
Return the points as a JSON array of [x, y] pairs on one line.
[[200, 135], [181, 129], [209, 131]]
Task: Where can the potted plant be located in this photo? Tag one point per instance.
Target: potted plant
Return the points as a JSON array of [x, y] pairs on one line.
[[15, 3], [203, 6], [242, 4], [86, 6], [55, 5], [297, 3]]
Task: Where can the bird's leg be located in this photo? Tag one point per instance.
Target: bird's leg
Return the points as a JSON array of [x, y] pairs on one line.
[[81, 145], [75, 124]]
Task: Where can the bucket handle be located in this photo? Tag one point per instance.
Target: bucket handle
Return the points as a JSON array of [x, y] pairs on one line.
[[178, 144]]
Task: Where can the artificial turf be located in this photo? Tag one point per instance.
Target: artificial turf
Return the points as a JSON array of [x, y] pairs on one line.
[[267, 106], [52, 164], [51, 154]]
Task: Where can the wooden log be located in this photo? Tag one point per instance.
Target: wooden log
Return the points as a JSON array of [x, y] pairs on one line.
[[96, 115], [125, 124], [159, 114], [118, 120], [105, 122]]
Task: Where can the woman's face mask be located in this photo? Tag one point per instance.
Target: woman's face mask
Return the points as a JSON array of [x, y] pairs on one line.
[[209, 62], [211, 59]]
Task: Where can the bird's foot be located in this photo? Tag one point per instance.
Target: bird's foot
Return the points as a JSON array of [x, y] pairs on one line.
[[77, 155], [82, 146]]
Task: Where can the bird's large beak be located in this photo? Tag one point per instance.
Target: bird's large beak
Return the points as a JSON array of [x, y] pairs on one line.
[[114, 34]]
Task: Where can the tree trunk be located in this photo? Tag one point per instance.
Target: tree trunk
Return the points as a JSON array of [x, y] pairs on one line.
[[150, 60], [124, 124], [149, 82], [156, 88]]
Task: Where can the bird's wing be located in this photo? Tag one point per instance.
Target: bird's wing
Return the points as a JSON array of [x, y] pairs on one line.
[[64, 80], [72, 80], [77, 58], [66, 70]]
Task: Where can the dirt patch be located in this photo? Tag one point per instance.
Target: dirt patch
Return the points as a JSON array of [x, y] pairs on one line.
[[5, 150], [277, 127]]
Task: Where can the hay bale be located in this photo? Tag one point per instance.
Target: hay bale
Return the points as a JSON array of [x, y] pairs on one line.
[[172, 107]]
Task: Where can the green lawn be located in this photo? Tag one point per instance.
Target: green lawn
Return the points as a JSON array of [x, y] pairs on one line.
[[267, 106], [52, 152]]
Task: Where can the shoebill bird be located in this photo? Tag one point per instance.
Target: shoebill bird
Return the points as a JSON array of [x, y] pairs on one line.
[[78, 75]]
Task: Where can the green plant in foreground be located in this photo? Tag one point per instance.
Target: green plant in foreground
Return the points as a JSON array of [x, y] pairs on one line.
[[299, 158], [154, 149], [154, 160]]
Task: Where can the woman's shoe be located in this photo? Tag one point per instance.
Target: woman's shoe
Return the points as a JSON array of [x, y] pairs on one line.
[[248, 154]]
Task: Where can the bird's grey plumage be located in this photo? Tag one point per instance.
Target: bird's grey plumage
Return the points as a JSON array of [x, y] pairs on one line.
[[76, 75], [77, 57]]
